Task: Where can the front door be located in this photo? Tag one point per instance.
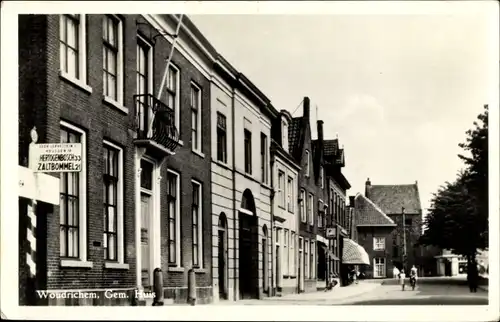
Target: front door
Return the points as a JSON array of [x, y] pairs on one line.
[[222, 265], [248, 256], [145, 241], [264, 265]]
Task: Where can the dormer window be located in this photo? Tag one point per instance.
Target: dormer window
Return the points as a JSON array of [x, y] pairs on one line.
[[284, 134]]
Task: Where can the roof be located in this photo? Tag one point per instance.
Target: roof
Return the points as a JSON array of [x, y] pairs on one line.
[[294, 134], [331, 147], [392, 198], [369, 214]]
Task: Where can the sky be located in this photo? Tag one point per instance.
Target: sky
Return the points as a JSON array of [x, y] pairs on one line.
[[400, 91]]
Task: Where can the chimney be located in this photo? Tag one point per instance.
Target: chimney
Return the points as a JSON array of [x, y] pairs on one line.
[[320, 131], [306, 107], [367, 186], [351, 201]]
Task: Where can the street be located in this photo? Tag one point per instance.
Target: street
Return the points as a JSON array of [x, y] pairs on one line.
[[429, 291]]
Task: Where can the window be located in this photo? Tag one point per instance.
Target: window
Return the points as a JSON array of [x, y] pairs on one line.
[[312, 257], [306, 259], [286, 255], [172, 93], [197, 225], [378, 243], [143, 82], [284, 138], [72, 47], [292, 253], [281, 188], [248, 152], [310, 206], [308, 170], [379, 267], [395, 251], [303, 201], [221, 138], [320, 214], [195, 103], [322, 177], [72, 206], [263, 157], [289, 193], [173, 219], [112, 58], [113, 201], [408, 222]]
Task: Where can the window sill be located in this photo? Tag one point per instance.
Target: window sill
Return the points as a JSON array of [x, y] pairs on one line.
[[75, 263], [221, 164], [74, 81], [199, 153], [115, 104], [180, 143], [176, 269], [200, 270], [110, 265]]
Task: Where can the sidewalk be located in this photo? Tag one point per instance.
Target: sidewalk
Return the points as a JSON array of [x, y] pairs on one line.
[[335, 295]]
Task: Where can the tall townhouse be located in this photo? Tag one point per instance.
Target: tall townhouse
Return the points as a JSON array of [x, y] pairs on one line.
[[142, 199], [337, 187], [284, 175], [241, 185], [323, 252], [300, 144]]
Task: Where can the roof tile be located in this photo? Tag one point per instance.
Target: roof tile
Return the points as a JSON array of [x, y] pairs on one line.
[[392, 198], [294, 134], [368, 213]]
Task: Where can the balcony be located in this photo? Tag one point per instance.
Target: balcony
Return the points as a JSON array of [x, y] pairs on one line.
[[161, 137]]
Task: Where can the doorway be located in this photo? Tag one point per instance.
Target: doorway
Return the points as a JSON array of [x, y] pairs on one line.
[[222, 256], [265, 261], [248, 248], [147, 212]]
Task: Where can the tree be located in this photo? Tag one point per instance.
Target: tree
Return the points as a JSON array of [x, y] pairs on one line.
[[458, 217]]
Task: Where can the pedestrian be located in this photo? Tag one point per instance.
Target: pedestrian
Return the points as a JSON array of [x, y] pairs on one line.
[[357, 276], [395, 272], [402, 277]]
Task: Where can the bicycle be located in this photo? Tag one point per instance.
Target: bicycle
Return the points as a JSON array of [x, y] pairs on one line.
[[413, 282]]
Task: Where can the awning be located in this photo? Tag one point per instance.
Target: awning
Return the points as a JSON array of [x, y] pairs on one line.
[[354, 254]]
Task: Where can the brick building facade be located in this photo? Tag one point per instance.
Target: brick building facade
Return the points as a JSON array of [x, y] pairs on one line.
[[78, 77]]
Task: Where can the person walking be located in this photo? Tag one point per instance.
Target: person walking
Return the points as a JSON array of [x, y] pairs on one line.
[[414, 275], [395, 272], [402, 277]]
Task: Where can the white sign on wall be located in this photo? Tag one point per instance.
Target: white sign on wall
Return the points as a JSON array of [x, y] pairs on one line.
[[56, 157]]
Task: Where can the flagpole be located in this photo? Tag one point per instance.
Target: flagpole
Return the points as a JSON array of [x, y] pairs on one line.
[[169, 59]]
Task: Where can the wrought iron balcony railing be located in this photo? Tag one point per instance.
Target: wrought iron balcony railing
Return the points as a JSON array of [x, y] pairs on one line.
[[162, 130]]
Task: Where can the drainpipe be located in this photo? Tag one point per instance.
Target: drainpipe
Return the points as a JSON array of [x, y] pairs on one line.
[[233, 143], [273, 257]]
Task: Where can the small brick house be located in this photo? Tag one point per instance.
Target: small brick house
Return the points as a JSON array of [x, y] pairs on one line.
[[136, 205], [374, 233], [393, 200]]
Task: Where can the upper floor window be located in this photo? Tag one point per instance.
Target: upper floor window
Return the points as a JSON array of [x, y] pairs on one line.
[[263, 157], [303, 201], [308, 163], [310, 209], [112, 78], [408, 222], [289, 193], [281, 188], [221, 138], [248, 152], [378, 243], [320, 214], [72, 48], [322, 177], [173, 93], [195, 103], [143, 82], [284, 138]]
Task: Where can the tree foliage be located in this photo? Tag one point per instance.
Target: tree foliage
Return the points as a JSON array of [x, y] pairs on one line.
[[458, 217]]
